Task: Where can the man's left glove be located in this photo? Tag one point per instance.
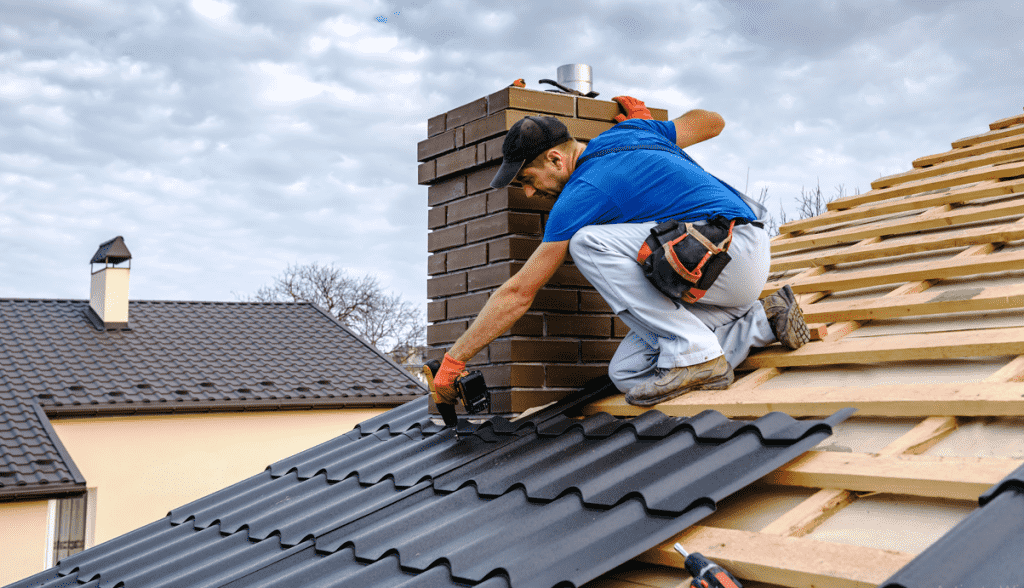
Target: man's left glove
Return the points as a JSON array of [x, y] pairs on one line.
[[633, 108], [443, 390]]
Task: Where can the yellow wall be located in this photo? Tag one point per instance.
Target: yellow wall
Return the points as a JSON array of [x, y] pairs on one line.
[[22, 539], [142, 467]]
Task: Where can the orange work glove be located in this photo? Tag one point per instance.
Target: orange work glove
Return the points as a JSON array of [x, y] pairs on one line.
[[443, 390], [633, 108]]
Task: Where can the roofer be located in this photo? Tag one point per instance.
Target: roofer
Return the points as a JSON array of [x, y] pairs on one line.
[[685, 334]]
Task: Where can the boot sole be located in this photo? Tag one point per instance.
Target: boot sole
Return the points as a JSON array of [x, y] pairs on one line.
[[720, 383]]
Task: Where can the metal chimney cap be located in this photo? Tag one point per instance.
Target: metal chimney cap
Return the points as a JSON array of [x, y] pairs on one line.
[[113, 251], [576, 76]]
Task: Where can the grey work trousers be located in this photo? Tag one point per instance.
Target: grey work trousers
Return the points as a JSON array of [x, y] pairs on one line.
[[665, 334]]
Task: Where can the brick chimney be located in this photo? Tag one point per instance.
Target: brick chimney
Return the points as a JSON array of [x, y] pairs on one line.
[[108, 297], [479, 237]]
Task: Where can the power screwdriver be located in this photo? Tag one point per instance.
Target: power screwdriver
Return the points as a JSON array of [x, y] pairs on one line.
[[706, 573], [471, 389]]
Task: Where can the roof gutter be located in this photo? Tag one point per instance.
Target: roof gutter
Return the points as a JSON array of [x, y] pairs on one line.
[[220, 406]]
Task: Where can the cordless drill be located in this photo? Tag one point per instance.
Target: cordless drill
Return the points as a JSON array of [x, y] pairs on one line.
[[471, 389], [706, 573]]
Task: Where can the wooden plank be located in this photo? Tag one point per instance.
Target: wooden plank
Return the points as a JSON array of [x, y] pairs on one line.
[[919, 439], [961, 300], [989, 136], [966, 152], [918, 346], [986, 189], [810, 513], [1008, 170], [996, 234], [784, 561], [953, 478], [901, 226], [1011, 372], [935, 270], [1009, 121], [1002, 155], [968, 399]]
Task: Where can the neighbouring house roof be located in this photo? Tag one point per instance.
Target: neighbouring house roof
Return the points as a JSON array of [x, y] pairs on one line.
[[176, 357], [542, 501]]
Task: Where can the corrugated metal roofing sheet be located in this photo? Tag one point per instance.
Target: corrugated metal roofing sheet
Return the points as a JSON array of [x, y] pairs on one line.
[[984, 550], [549, 500], [178, 356]]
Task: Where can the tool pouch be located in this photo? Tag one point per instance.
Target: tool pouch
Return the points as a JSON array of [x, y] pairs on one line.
[[682, 261]]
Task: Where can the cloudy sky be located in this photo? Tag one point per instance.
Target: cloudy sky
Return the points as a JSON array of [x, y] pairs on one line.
[[225, 140]]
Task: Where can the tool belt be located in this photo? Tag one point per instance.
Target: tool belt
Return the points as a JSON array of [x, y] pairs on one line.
[[682, 260]]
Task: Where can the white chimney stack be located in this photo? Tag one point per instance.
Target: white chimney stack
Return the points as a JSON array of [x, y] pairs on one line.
[[108, 298]]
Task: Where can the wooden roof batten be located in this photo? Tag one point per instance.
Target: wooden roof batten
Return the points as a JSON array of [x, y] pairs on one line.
[[980, 180]]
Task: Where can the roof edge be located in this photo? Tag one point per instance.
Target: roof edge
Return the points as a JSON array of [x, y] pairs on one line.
[[221, 406], [58, 445], [40, 492]]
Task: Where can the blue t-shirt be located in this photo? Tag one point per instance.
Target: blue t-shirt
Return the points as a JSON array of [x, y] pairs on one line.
[[639, 185]]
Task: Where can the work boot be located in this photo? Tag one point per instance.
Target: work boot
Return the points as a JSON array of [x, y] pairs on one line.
[[786, 318], [714, 374]]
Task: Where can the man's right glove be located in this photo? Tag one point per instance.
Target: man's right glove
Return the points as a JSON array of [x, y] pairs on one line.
[[633, 108], [443, 390]]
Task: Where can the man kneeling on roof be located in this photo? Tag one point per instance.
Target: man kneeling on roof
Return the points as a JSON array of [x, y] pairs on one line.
[[688, 327]]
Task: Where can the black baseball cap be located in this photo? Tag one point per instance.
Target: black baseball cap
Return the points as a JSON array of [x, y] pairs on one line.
[[527, 139]]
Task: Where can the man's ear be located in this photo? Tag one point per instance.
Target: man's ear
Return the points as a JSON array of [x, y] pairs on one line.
[[557, 158]]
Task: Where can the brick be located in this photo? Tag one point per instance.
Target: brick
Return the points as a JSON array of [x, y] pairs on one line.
[[446, 285], [492, 276], [605, 110], [466, 113], [479, 359], [437, 264], [460, 137], [516, 350], [515, 199], [446, 238], [452, 163], [568, 275], [462, 306], [594, 351], [579, 326], [480, 180], [445, 332], [467, 208], [533, 100], [528, 325], [434, 146], [435, 353], [619, 328], [508, 247], [435, 125], [465, 257], [491, 149], [426, 172], [559, 300], [513, 375], [492, 126], [437, 217], [501, 224], [446, 191], [436, 311], [591, 301], [574, 376]]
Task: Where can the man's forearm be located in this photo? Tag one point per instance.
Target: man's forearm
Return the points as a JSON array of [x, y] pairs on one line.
[[502, 310]]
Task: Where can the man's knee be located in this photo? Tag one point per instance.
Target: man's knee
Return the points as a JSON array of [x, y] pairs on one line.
[[584, 239]]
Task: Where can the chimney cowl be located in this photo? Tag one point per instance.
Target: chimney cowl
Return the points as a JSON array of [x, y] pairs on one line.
[[113, 252], [108, 296]]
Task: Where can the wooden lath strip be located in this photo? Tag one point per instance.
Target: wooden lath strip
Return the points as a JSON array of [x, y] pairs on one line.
[[961, 300], [1009, 121], [784, 561], [964, 152], [930, 270], [1008, 170], [954, 478], [992, 135], [918, 346], [963, 238], [986, 189], [895, 401], [902, 226], [1000, 155]]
